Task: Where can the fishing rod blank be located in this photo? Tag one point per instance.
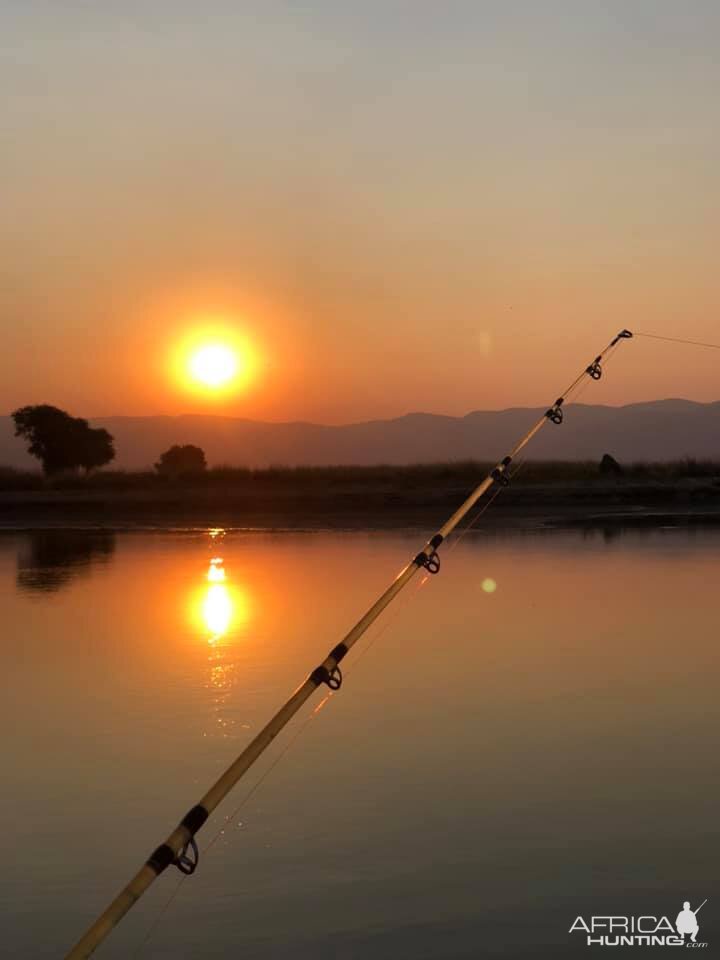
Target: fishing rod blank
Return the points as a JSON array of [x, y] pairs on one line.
[[180, 848]]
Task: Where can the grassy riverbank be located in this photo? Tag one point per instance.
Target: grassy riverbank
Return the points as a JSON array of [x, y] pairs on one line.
[[381, 496]]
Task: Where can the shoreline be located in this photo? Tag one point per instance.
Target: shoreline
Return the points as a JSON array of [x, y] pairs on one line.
[[365, 506]]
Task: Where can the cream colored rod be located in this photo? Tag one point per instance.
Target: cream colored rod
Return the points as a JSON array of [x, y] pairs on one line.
[[174, 850]]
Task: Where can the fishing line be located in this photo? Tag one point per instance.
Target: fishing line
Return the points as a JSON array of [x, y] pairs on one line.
[[574, 391], [230, 817], [580, 388], [572, 395], [488, 503], [406, 601], [479, 513], [181, 843], [156, 922], [694, 343], [409, 598], [228, 820]]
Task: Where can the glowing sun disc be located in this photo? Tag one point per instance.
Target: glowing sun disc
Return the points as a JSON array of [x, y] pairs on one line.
[[213, 365]]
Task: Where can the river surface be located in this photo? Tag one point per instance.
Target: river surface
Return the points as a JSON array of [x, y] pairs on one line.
[[528, 737]]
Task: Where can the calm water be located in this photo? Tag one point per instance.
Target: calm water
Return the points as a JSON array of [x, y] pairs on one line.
[[496, 762]]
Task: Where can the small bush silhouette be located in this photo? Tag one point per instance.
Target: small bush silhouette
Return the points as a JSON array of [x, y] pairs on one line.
[[181, 460]]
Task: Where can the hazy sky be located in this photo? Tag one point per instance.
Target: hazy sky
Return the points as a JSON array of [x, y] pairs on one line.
[[436, 206]]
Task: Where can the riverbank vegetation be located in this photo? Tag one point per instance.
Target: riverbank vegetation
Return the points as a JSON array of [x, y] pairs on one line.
[[364, 497], [396, 477]]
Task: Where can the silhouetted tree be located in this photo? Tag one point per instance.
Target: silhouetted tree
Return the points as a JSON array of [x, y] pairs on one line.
[[181, 460], [61, 442], [610, 467], [95, 447]]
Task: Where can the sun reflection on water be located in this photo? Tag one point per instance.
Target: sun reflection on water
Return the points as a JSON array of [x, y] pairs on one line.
[[220, 609], [220, 606], [217, 611], [217, 605], [216, 571]]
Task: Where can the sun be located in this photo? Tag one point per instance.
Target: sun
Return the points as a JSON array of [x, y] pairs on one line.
[[214, 359], [214, 365]]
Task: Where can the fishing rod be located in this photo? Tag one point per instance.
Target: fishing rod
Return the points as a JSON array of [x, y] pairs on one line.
[[180, 849]]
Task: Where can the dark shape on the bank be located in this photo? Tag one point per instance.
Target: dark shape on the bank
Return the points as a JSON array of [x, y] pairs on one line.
[[50, 559], [61, 442], [609, 467], [180, 461]]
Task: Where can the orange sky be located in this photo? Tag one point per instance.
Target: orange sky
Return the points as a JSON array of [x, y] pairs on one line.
[[400, 209]]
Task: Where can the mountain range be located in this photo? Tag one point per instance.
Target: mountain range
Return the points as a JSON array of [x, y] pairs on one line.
[[657, 430]]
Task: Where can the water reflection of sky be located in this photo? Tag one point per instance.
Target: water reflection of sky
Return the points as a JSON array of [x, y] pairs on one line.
[[497, 762]]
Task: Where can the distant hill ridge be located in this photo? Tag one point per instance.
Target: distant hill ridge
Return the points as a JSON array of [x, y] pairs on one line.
[[656, 430]]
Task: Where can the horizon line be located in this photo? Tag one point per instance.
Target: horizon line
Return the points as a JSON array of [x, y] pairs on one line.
[[400, 416]]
